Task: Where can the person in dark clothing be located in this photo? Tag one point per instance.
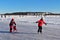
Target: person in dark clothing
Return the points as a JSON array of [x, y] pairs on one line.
[[12, 25], [40, 23]]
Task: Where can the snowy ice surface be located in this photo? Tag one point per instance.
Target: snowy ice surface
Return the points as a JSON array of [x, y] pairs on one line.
[[27, 28]]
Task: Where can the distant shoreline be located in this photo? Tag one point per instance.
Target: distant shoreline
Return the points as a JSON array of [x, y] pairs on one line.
[[32, 13]]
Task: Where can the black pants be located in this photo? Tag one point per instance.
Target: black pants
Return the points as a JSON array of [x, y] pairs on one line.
[[40, 29]]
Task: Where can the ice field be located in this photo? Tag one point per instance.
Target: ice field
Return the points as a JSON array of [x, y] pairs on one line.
[[27, 28]]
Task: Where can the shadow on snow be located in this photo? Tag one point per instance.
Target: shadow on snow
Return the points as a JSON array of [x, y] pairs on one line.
[[17, 32]]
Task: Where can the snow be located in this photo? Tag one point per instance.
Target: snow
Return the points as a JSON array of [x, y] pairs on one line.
[[27, 28]]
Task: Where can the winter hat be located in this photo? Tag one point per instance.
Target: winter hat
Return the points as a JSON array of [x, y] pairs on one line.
[[12, 18]]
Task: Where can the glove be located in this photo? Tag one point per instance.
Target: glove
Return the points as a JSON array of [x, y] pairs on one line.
[[36, 22], [45, 23]]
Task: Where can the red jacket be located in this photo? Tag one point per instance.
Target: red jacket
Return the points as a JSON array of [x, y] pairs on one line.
[[40, 22], [12, 23]]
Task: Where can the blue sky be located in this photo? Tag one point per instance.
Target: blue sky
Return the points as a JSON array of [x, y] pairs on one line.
[[8, 6]]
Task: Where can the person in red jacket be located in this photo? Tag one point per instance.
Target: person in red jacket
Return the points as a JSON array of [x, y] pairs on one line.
[[12, 25], [40, 23]]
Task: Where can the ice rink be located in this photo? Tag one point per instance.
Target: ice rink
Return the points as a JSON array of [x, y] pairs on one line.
[[27, 28]]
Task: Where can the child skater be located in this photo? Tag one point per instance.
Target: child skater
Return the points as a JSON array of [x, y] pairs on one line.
[[12, 25], [40, 23]]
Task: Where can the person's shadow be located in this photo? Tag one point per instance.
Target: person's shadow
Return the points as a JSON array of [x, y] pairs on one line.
[[4, 32], [17, 32]]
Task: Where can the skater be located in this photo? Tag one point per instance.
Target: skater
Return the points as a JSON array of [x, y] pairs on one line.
[[40, 23], [12, 25]]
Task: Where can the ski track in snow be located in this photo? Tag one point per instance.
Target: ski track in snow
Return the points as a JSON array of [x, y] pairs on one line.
[[27, 29]]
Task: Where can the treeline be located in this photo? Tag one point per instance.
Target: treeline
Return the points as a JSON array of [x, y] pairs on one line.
[[52, 14], [18, 13], [24, 13], [31, 13]]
